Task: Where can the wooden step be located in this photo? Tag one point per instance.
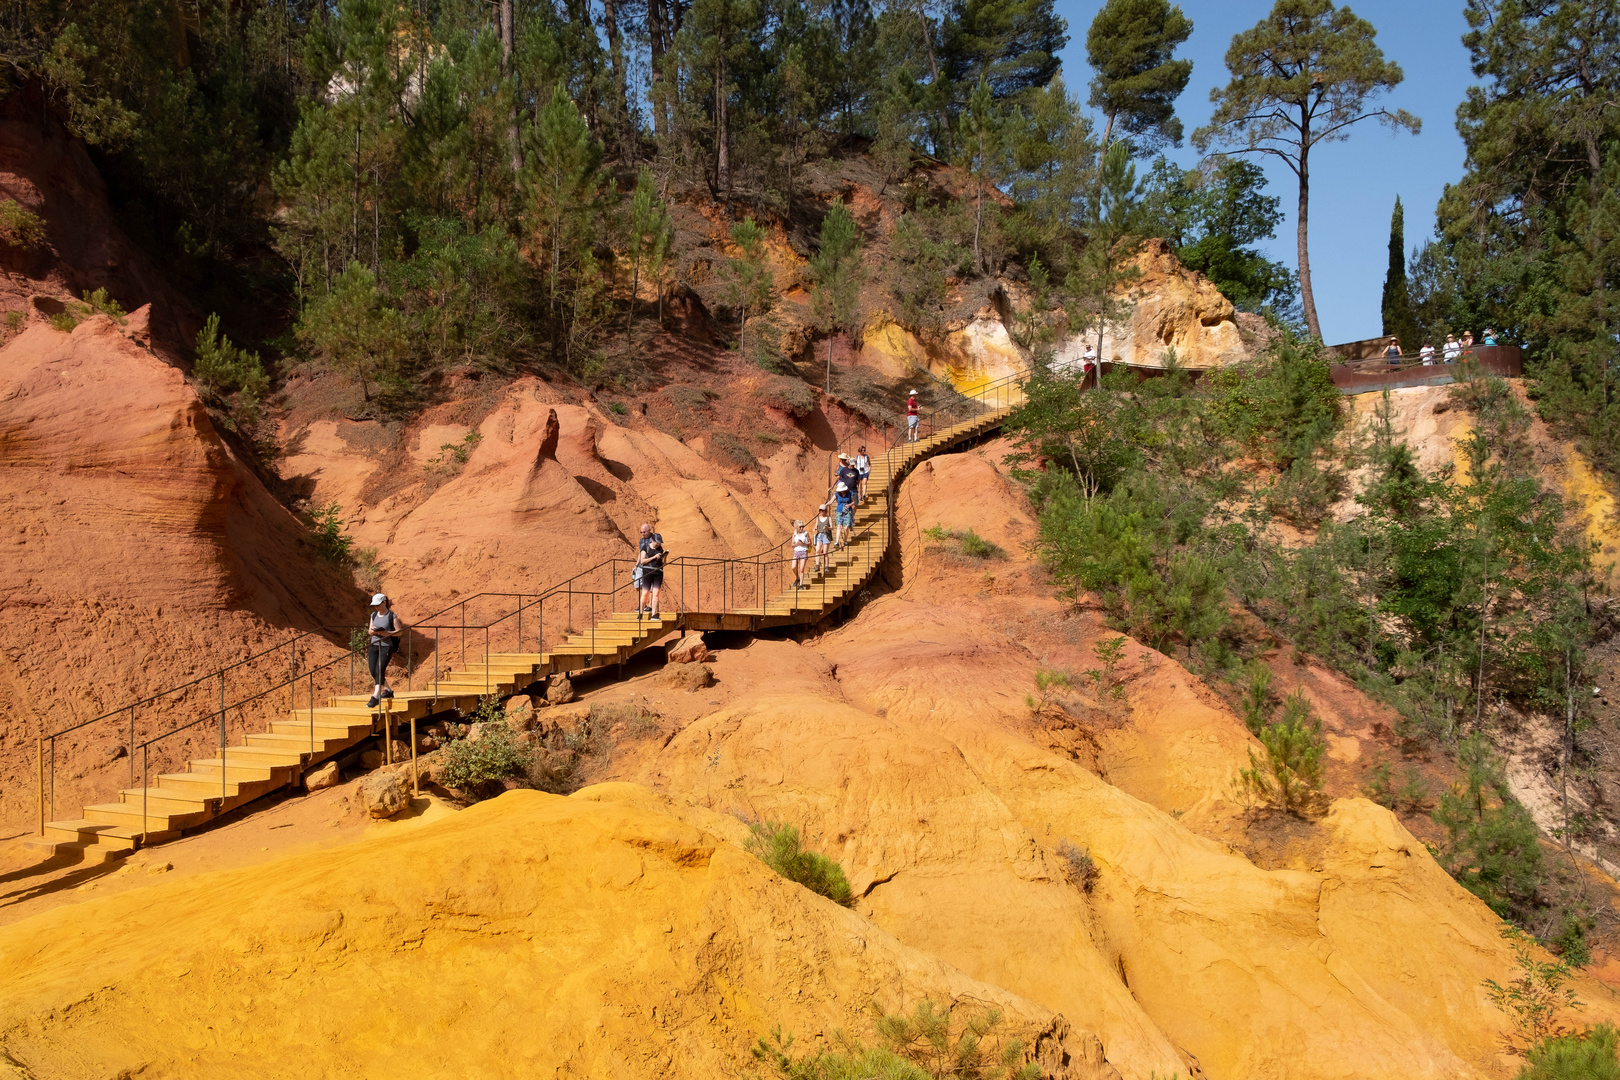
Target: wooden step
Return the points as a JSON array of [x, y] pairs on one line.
[[236, 788], [240, 770], [170, 800], [100, 834], [129, 815], [301, 743]]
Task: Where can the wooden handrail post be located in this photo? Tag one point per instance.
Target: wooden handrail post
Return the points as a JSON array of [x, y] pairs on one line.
[[39, 774]]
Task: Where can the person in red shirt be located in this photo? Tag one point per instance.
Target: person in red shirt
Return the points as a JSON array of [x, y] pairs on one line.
[[913, 418]]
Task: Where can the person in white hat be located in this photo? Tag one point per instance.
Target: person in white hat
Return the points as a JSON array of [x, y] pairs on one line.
[[913, 418], [386, 630]]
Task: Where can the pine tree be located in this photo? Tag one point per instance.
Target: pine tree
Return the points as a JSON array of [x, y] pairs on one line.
[[1132, 45], [1397, 302], [1011, 45], [651, 234], [1301, 77], [836, 270], [751, 286]]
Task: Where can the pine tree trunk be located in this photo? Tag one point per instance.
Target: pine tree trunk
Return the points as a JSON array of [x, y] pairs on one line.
[[722, 125], [656, 22], [1306, 296], [620, 105], [508, 45]]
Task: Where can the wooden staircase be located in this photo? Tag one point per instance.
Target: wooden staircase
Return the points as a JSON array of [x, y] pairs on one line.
[[306, 737]]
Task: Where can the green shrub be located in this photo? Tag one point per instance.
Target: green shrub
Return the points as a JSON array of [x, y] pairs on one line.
[[100, 301], [222, 368], [64, 321], [726, 447], [1289, 777], [331, 542], [929, 1043], [1589, 1056], [1048, 681], [1570, 942], [788, 394], [638, 722], [19, 227], [777, 846], [1491, 845], [494, 756], [1533, 999], [1080, 868], [618, 408], [968, 542], [452, 456]]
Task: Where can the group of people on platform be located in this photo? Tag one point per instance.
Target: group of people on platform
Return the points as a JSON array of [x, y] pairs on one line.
[[1450, 353], [832, 531]]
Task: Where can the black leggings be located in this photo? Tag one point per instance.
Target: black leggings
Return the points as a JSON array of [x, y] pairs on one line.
[[377, 657]]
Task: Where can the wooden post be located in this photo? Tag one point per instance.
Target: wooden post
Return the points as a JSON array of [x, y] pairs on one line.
[[39, 774], [416, 777]]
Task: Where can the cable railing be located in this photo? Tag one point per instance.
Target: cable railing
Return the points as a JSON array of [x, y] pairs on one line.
[[293, 676]]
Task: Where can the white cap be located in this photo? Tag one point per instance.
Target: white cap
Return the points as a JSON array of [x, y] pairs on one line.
[[841, 486], [823, 506], [379, 599], [843, 457], [913, 393]]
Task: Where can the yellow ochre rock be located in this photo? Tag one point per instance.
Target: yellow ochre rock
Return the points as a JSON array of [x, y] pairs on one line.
[[531, 935]]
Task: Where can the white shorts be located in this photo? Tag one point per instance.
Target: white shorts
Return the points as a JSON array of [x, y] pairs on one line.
[[911, 421]]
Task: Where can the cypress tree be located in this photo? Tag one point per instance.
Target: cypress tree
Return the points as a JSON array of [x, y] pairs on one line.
[[1397, 302]]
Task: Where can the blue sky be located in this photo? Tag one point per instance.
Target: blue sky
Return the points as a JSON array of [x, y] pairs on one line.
[[1354, 183]]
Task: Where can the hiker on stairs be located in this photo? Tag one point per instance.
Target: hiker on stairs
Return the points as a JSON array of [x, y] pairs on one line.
[[844, 513], [650, 561], [823, 532], [801, 554], [913, 417], [863, 465], [385, 635]]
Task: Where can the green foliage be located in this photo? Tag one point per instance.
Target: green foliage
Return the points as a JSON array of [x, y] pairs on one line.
[[1009, 46], [1570, 942], [1289, 776], [777, 846], [452, 456], [15, 320], [638, 722], [64, 321], [652, 235], [494, 756], [1109, 653], [1533, 999], [791, 395], [354, 331], [750, 285], [1411, 792], [1302, 76], [224, 369], [1131, 45], [836, 274], [1588, 1056], [1048, 683], [968, 542], [929, 1043], [331, 542], [19, 227], [1491, 844]]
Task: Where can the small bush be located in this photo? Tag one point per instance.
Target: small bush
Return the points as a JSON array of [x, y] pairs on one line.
[[64, 321], [968, 542], [777, 846], [223, 369], [1570, 943], [366, 568], [1048, 682], [1109, 653], [1533, 999], [99, 301], [726, 447], [495, 756], [1589, 1056], [331, 543], [359, 640], [454, 455], [791, 395], [1081, 869], [19, 227], [618, 408], [638, 722], [927, 1044], [1289, 777], [15, 320], [1492, 846]]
